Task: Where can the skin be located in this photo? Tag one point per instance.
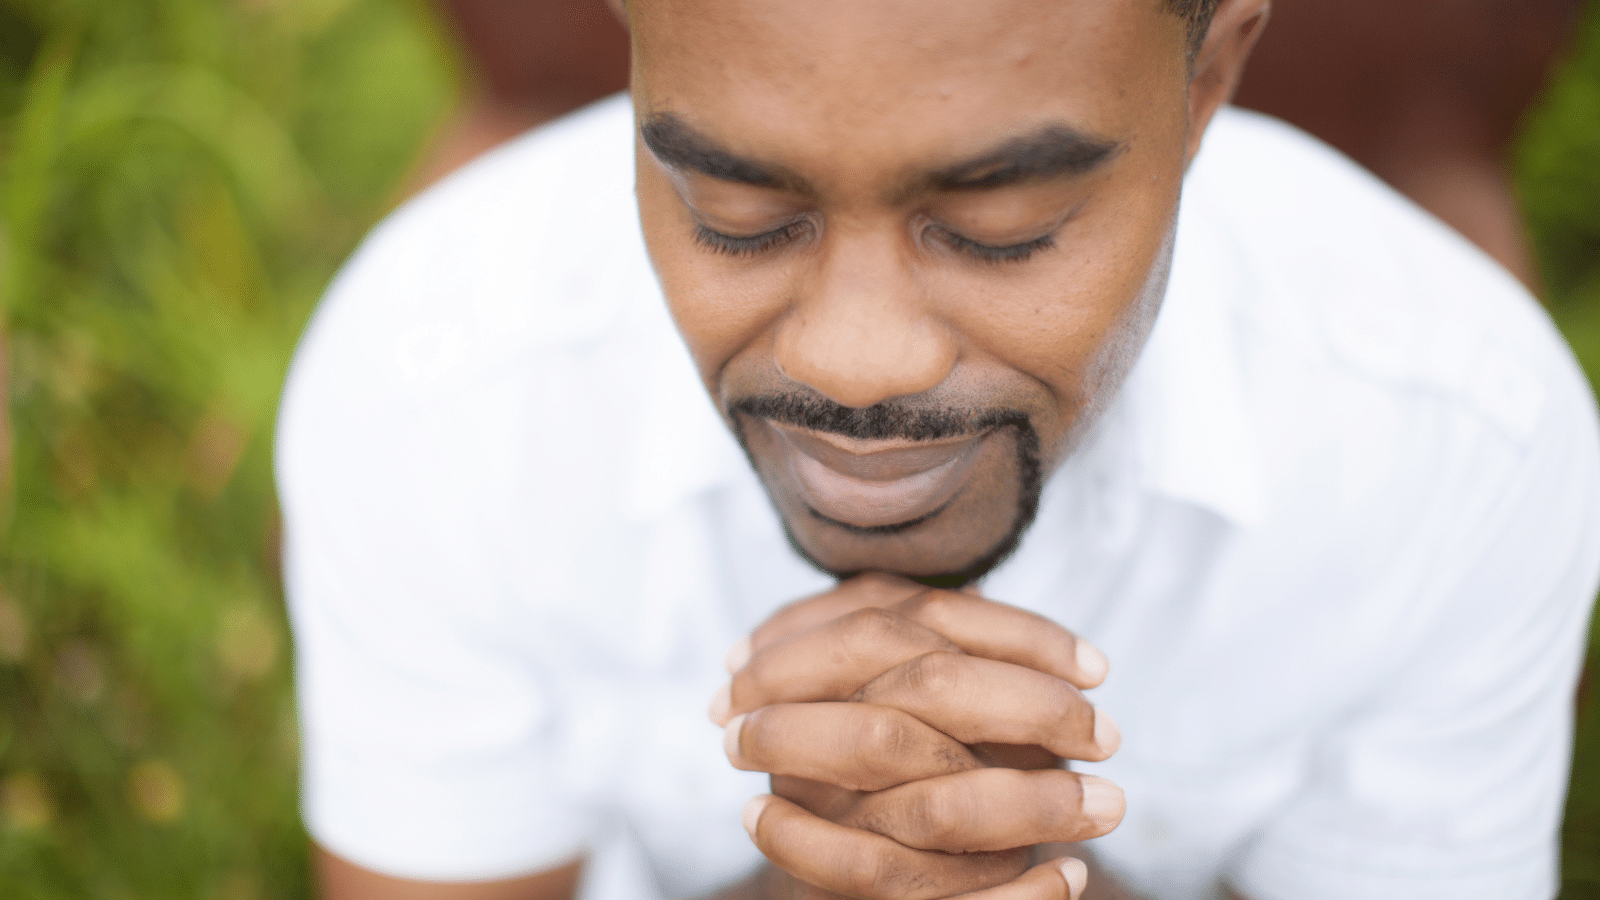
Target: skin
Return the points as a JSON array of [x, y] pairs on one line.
[[914, 735], [877, 294], [1439, 90]]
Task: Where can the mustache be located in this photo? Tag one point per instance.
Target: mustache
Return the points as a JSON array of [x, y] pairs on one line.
[[883, 421]]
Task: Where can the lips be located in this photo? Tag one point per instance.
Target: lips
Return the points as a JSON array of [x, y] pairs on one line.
[[880, 483]]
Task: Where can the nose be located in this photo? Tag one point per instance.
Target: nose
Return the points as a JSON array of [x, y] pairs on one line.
[[861, 329]]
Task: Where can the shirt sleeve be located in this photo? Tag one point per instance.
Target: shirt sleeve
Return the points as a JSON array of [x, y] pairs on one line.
[[1448, 781], [430, 741]]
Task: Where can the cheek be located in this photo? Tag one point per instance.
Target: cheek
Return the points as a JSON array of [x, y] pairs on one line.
[[1056, 318], [722, 305]]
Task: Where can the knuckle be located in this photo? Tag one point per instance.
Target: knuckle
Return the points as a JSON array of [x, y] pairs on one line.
[[936, 673], [754, 680], [1060, 811], [1067, 705], [754, 735], [910, 876], [886, 737], [1055, 818], [867, 630], [926, 605], [867, 874], [935, 602], [939, 816]]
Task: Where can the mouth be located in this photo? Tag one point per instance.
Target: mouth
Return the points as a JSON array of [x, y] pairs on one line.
[[876, 485]]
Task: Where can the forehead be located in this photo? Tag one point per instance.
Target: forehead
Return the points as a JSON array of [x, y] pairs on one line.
[[858, 74]]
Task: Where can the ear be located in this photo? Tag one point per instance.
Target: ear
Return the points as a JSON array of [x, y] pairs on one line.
[[1220, 63]]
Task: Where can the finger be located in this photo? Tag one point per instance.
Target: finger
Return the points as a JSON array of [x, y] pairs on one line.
[[874, 589], [1058, 879], [978, 700], [864, 865], [832, 656], [817, 797], [852, 745], [1008, 634], [829, 661], [990, 809]]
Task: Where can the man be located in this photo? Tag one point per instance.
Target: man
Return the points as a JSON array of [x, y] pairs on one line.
[[1318, 478], [1430, 103]]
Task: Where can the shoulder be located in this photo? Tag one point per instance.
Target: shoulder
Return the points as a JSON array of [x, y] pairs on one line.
[[1350, 294], [1357, 278], [1411, 402], [473, 351], [532, 243]]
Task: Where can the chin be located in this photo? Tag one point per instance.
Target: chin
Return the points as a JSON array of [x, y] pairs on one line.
[[950, 569], [954, 547]]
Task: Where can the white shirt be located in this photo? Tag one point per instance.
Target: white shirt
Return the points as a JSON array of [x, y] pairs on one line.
[[1338, 536]]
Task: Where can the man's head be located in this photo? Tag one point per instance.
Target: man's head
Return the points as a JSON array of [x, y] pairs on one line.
[[914, 246], [1196, 16]]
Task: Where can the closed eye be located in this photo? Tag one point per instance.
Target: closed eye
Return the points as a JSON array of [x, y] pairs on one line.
[[988, 253], [750, 245]]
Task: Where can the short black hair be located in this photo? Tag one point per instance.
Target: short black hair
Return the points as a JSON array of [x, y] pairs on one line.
[[1197, 15]]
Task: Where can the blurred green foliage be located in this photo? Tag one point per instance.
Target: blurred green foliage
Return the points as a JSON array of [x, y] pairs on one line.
[[1558, 177], [178, 180]]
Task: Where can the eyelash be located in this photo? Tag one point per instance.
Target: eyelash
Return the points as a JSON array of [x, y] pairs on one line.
[[729, 245], [1014, 253]]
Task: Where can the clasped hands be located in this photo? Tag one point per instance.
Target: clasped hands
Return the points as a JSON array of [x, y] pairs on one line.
[[915, 738]]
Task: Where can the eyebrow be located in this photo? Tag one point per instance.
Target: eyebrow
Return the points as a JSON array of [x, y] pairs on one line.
[[1051, 151], [1047, 153], [681, 147]]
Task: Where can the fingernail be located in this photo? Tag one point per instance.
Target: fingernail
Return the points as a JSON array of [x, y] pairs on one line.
[[1091, 662], [721, 704], [1106, 734], [730, 739], [738, 655], [752, 814], [1073, 870], [1103, 801]]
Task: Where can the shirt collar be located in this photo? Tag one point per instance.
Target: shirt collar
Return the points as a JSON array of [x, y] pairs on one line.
[[682, 448], [1192, 435]]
